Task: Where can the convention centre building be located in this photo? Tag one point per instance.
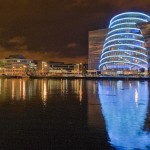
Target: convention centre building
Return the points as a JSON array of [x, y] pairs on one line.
[[124, 46]]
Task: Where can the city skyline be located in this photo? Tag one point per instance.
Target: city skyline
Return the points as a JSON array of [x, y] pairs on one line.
[[56, 30]]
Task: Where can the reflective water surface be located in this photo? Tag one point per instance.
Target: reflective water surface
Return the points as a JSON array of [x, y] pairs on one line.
[[74, 114], [125, 109]]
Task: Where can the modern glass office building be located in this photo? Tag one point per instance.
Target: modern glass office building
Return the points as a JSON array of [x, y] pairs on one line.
[[124, 47], [96, 40]]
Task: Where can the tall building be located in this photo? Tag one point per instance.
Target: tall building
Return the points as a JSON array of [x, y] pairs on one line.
[[125, 46], [96, 40]]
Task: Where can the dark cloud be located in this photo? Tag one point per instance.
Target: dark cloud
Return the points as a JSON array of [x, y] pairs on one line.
[[57, 29], [18, 40], [72, 45]]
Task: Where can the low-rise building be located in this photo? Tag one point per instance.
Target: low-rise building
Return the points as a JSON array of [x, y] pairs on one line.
[[15, 64]]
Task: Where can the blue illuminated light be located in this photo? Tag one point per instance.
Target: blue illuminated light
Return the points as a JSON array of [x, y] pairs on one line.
[[125, 112], [124, 52], [129, 23], [123, 39], [125, 45], [118, 56], [123, 29], [110, 62], [129, 18], [124, 36], [127, 13], [139, 35]]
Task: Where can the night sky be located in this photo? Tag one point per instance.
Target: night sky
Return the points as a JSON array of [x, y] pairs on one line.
[[57, 30]]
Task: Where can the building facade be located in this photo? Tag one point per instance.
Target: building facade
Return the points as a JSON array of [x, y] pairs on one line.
[[61, 67], [96, 41], [125, 47], [15, 65], [145, 30]]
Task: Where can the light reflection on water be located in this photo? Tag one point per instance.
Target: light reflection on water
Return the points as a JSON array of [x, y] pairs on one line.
[[123, 104], [22, 89], [124, 107]]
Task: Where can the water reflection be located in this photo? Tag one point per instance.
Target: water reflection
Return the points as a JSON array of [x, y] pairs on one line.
[[26, 89], [44, 91], [124, 107]]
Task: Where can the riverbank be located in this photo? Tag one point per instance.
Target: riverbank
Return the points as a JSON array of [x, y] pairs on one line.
[[95, 77], [90, 77]]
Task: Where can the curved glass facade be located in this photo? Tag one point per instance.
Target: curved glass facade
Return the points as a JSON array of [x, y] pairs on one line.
[[124, 47]]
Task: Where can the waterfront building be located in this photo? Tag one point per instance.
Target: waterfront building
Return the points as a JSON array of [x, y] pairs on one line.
[[15, 64], [42, 65], [61, 67], [125, 46], [96, 40]]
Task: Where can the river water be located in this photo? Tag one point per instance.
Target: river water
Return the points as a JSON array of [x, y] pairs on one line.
[[75, 114]]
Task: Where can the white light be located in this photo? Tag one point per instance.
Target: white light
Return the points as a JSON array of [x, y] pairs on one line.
[[129, 13], [122, 62], [123, 51], [123, 39], [127, 23], [136, 97], [123, 34], [123, 44], [123, 56], [123, 29]]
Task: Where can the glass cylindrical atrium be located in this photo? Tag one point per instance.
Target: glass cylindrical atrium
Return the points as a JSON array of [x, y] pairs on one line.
[[124, 47]]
